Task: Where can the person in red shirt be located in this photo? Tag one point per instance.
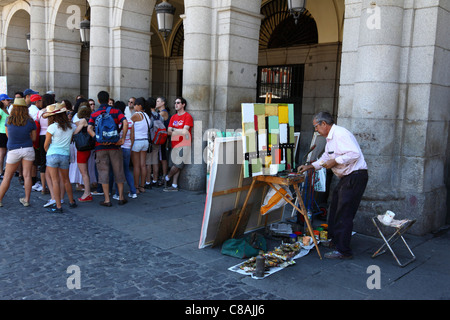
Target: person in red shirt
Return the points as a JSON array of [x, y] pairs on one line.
[[180, 130]]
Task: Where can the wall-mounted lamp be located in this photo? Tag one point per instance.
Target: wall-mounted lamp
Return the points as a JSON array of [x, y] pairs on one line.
[[164, 15], [28, 41], [85, 28], [296, 8]]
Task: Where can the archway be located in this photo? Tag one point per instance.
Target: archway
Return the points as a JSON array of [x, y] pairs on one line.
[[67, 57], [16, 63], [301, 63]]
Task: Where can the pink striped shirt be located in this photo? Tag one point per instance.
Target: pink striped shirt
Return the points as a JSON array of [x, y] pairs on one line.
[[344, 149]]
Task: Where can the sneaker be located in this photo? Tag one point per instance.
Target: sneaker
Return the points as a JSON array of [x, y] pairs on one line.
[[24, 203], [55, 210], [37, 187], [170, 189], [116, 197], [49, 203], [148, 185], [132, 195], [95, 193]]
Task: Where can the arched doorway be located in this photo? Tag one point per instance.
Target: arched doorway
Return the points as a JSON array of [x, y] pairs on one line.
[[67, 57], [300, 63], [16, 56]]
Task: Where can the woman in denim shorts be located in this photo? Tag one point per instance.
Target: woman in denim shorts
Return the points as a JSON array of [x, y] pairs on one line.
[[139, 143], [57, 144], [21, 132]]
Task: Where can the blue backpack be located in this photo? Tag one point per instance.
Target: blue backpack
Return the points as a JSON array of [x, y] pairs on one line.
[[106, 128]]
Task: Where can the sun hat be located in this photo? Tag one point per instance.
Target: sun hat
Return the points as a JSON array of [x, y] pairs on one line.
[[20, 102], [4, 96], [55, 109], [35, 97]]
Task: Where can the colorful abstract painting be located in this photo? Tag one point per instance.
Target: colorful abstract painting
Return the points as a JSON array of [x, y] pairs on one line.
[[268, 138]]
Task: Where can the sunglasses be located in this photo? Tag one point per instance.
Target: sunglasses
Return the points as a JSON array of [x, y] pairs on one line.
[[178, 102]]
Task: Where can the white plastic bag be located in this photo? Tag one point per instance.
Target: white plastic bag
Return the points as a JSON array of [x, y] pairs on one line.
[[273, 199], [320, 181]]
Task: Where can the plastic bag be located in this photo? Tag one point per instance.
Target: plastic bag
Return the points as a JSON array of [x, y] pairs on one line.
[[320, 180], [273, 199], [246, 247]]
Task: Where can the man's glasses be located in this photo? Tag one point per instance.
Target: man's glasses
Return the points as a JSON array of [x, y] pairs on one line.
[[177, 102]]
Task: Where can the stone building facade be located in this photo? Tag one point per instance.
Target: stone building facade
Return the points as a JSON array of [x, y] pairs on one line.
[[380, 66]]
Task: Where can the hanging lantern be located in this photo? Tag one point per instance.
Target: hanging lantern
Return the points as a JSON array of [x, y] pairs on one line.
[[28, 41], [164, 14], [296, 8], [85, 32]]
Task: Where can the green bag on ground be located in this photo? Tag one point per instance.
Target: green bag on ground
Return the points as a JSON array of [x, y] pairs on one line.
[[246, 247]]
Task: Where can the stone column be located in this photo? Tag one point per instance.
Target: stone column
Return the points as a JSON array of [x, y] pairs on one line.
[[389, 113], [100, 53], [131, 45], [198, 69], [220, 69], [238, 29], [38, 52]]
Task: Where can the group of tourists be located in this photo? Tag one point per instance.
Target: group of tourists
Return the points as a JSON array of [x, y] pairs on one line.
[[99, 150]]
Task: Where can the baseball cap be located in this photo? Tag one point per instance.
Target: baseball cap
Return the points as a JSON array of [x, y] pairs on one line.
[[4, 96], [35, 97], [29, 91]]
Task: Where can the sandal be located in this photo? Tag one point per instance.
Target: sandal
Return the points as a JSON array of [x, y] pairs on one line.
[[141, 189]]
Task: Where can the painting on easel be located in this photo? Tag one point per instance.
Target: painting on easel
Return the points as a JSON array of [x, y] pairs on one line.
[[268, 138]]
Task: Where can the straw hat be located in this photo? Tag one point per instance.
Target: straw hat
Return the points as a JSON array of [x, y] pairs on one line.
[[54, 109], [19, 102]]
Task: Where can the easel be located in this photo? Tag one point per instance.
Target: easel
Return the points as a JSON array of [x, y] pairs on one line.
[[286, 181]]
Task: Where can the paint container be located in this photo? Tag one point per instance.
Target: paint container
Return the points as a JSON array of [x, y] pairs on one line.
[[388, 217], [260, 266], [293, 238], [316, 234]]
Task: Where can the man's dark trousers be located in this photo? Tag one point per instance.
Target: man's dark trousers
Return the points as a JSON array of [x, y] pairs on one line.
[[344, 205]]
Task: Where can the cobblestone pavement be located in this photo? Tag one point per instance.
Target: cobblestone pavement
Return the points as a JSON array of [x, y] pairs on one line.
[[37, 247], [148, 250]]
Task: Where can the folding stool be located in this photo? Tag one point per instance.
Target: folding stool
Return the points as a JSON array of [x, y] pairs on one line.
[[400, 228]]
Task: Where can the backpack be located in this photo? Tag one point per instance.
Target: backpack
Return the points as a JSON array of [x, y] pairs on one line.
[[158, 131], [106, 128]]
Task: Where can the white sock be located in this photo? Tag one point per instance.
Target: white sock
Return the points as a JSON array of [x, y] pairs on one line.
[[174, 185], [167, 178]]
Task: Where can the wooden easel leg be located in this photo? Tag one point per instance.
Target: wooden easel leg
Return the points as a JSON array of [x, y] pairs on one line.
[[305, 215], [241, 212]]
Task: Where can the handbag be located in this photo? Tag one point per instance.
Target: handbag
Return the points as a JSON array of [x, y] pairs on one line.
[[83, 141]]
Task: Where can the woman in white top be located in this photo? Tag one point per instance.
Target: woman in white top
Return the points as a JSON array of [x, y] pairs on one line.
[[57, 144], [46, 182], [139, 143]]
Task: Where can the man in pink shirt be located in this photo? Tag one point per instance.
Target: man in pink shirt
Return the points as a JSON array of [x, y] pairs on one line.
[[344, 157]]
